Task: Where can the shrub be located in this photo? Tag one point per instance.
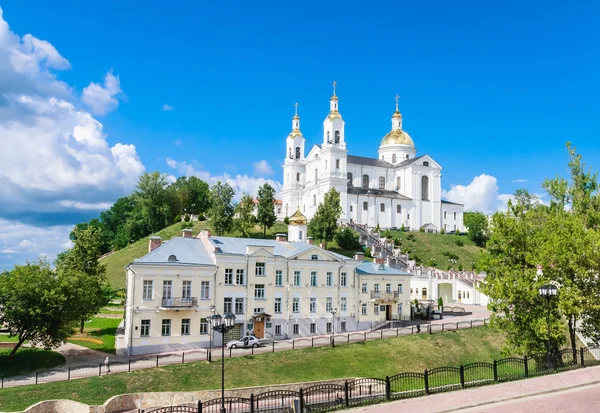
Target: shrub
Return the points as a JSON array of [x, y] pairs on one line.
[[449, 267], [286, 220], [377, 228], [442, 231], [459, 243], [397, 242], [403, 228], [177, 219], [368, 252], [460, 267], [421, 229], [457, 232], [187, 218], [185, 225], [440, 302], [201, 217], [347, 239], [416, 302]]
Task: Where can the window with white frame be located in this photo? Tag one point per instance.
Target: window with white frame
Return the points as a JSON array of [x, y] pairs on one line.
[[313, 328], [313, 279], [328, 304], [398, 182], [343, 326], [381, 182], [363, 309], [205, 290], [343, 303], [166, 327], [399, 308], [376, 288], [388, 288], [365, 206], [364, 288], [145, 328], [278, 278], [185, 327], [186, 289], [382, 207], [399, 209], [296, 305], [297, 278], [313, 305], [239, 306], [343, 279], [277, 329], [167, 289], [400, 289], [444, 214], [203, 326], [329, 279], [239, 277], [277, 308], [328, 328], [296, 329], [148, 290], [314, 200], [365, 181], [227, 305], [455, 215], [259, 291], [228, 276], [394, 158], [376, 310], [258, 310], [260, 269]]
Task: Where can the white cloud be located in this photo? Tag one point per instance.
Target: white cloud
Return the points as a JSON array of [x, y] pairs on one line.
[[241, 184], [102, 99], [480, 195], [168, 108], [262, 168], [520, 181]]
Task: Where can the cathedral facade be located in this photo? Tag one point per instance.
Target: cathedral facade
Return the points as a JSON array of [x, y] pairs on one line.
[[398, 188]]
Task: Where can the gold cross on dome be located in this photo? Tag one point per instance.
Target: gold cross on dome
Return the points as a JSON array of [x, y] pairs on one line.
[[296, 105], [397, 97], [334, 83]]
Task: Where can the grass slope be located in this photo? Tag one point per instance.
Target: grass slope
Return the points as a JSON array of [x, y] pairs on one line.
[[376, 358], [28, 360], [430, 245], [99, 334]]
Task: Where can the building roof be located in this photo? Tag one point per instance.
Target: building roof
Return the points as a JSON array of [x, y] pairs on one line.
[[379, 269], [187, 251], [361, 160], [451, 203], [238, 246], [410, 161], [354, 190]]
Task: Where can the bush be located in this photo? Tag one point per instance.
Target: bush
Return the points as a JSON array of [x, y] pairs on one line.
[[449, 267], [397, 242], [460, 267], [421, 229], [459, 243], [201, 217], [440, 302], [450, 255], [403, 228], [185, 225], [457, 232], [368, 252], [177, 219], [347, 239], [377, 228], [187, 218], [416, 302], [286, 220], [442, 231]]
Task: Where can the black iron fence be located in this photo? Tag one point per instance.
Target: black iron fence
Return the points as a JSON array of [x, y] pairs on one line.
[[330, 396]]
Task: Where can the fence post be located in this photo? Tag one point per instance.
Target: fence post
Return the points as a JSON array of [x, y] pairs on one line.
[[157, 360], [312, 342], [2, 384], [99, 370], [526, 363], [293, 344], [252, 403], [346, 393], [182, 358], [462, 376], [575, 356], [301, 399], [397, 332], [495, 370], [348, 338], [442, 326], [199, 406], [471, 323], [381, 333], [457, 325], [582, 359], [252, 350], [365, 340], [129, 366], [230, 348], [36, 377], [430, 329], [273, 345], [388, 395], [69, 373], [426, 381]]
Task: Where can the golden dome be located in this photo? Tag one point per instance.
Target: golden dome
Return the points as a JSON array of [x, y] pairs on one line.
[[334, 114], [298, 218], [397, 137], [397, 115], [294, 133]]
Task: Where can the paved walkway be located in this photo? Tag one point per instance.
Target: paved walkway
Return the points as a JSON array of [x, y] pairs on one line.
[[576, 390], [76, 355]]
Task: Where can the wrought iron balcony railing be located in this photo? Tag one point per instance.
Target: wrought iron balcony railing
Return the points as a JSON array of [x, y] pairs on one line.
[[179, 302], [382, 295]]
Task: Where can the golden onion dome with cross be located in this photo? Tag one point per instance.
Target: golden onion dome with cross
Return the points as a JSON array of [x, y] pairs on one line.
[[298, 218], [397, 137]]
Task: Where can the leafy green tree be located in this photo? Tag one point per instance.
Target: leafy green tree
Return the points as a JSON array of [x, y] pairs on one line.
[[156, 200], [266, 207], [192, 195], [35, 305], [244, 218], [348, 239], [324, 224], [477, 224], [221, 209]]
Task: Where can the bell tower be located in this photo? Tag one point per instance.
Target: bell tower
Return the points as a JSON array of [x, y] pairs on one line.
[[294, 166]]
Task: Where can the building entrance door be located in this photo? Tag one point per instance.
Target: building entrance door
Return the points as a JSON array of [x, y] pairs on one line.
[[388, 312], [459, 297], [259, 328]]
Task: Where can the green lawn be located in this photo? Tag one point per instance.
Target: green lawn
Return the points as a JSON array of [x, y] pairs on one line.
[[4, 338], [429, 245], [28, 360], [376, 358], [99, 334]]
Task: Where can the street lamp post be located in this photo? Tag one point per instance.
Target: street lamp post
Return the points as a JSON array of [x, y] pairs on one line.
[[549, 291], [333, 313], [212, 310], [222, 325]]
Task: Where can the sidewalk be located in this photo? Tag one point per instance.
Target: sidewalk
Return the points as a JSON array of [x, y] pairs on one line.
[[580, 384]]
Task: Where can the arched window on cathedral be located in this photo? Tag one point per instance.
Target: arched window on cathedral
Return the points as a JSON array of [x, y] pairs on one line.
[[406, 156], [425, 188], [337, 164], [425, 163], [316, 176], [398, 182], [394, 158], [297, 176], [297, 152], [290, 153], [328, 137], [381, 182], [325, 164], [365, 182], [314, 200], [349, 176], [337, 136]]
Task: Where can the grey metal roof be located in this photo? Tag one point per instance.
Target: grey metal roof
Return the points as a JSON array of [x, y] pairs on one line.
[[361, 160], [187, 251], [452, 203], [354, 190], [230, 245], [409, 161], [379, 269]]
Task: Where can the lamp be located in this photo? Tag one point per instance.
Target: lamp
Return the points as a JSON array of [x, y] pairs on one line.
[[548, 291], [222, 325]]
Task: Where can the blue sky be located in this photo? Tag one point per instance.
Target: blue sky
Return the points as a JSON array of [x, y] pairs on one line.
[[491, 90]]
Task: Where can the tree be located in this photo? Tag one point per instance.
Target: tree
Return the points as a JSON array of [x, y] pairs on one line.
[[324, 223], [244, 218], [156, 200], [35, 305], [82, 266], [477, 224], [221, 209], [266, 207], [348, 239]]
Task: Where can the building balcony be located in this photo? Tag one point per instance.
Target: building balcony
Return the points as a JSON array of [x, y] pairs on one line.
[[384, 296], [179, 302]]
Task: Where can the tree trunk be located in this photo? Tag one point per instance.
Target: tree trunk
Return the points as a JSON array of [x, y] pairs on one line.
[[264, 231], [81, 325], [572, 321], [14, 350]]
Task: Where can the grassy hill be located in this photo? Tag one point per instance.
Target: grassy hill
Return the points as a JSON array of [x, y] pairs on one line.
[[437, 249]]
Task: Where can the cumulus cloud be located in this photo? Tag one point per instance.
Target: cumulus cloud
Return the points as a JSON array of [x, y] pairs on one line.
[[241, 184], [101, 99], [262, 168], [168, 108], [480, 195]]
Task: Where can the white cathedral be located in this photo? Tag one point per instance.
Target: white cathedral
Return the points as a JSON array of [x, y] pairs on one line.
[[393, 190]]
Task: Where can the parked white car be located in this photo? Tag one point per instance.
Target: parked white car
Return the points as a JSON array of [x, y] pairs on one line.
[[244, 342]]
